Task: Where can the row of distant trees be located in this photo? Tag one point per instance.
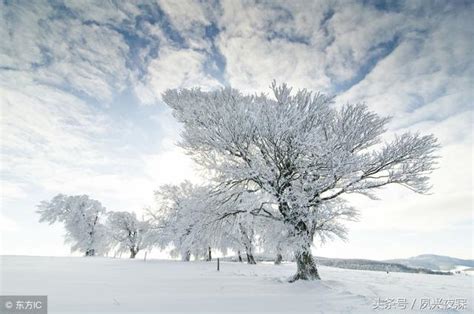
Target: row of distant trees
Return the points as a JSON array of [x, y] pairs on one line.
[[278, 171], [182, 219], [92, 230]]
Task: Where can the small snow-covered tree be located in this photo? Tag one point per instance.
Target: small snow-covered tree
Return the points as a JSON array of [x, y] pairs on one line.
[[128, 232], [82, 219], [238, 233], [246, 233], [178, 212], [302, 153], [274, 240]]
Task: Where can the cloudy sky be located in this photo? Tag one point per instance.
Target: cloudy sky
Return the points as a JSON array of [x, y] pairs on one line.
[[81, 112]]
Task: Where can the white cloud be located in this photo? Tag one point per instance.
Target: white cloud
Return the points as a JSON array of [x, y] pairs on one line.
[[184, 13], [176, 68], [313, 45], [104, 11], [252, 64], [63, 51], [42, 122], [254, 60], [421, 70], [190, 19], [21, 49]]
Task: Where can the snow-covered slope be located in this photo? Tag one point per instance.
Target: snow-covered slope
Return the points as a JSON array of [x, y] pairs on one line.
[[363, 264], [106, 285], [366, 264], [434, 262]]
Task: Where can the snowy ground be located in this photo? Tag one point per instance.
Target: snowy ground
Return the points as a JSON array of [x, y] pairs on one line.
[[103, 285]]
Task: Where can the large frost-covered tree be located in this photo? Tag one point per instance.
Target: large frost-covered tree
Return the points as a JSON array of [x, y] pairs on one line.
[[302, 153], [81, 217], [128, 232]]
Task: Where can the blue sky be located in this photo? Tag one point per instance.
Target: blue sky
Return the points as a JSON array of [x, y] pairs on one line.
[[81, 109]]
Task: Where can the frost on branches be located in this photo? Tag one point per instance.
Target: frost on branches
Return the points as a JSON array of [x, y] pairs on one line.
[[127, 232], [299, 155], [177, 212], [81, 217], [188, 218]]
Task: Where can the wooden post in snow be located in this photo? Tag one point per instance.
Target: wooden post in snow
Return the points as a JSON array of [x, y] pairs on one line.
[[218, 264], [144, 259]]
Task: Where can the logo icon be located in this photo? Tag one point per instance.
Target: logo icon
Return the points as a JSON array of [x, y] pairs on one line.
[[9, 305]]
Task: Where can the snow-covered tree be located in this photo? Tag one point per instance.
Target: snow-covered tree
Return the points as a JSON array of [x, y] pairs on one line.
[[247, 234], [274, 240], [192, 226], [239, 233], [128, 232], [82, 219], [179, 212], [302, 153]]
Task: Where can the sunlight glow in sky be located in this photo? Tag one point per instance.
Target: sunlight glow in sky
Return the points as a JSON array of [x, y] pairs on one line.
[[81, 111]]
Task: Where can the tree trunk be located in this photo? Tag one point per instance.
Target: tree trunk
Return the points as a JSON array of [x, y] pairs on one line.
[[247, 243], [209, 255], [240, 256], [90, 252], [251, 259], [306, 266], [186, 256], [278, 259], [133, 253]]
